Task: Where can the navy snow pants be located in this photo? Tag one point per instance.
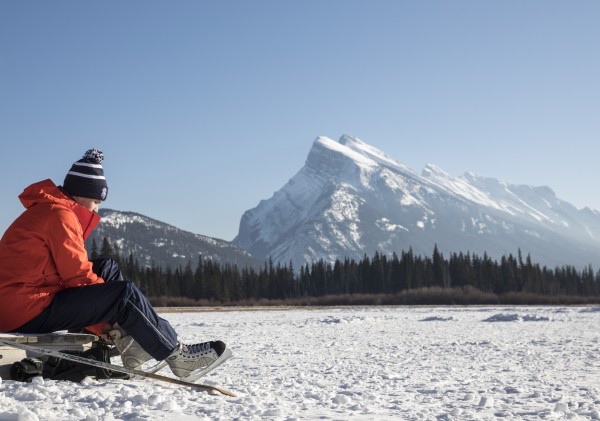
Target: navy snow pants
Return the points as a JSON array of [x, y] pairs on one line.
[[115, 301]]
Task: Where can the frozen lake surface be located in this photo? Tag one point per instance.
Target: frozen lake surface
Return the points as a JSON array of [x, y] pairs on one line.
[[402, 363]]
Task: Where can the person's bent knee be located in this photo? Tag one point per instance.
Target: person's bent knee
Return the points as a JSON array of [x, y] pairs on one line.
[[107, 268]]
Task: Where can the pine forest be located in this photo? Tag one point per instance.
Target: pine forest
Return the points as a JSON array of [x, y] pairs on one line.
[[405, 279]]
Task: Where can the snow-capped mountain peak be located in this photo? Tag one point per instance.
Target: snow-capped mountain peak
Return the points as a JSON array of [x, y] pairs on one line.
[[351, 199]]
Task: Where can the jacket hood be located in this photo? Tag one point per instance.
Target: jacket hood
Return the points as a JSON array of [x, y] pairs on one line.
[[47, 192]]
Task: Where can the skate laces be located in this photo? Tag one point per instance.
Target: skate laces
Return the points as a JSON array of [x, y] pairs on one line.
[[196, 350]]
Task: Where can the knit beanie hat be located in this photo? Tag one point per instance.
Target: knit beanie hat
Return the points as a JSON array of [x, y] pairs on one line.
[[86, 177]]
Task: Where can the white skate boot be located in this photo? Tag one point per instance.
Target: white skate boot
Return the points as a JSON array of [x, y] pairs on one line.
[[132, 354], [191, 362]]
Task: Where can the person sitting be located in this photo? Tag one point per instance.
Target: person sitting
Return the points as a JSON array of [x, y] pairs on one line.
[[48, 283]]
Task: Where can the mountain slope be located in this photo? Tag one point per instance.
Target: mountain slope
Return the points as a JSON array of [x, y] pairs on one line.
[[154, 242], [350, 199]]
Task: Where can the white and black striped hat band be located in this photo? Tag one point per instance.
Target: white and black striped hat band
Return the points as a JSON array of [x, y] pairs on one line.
[[86, 177]]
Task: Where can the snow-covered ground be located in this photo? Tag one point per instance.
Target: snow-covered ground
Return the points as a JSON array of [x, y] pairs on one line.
[[417, 363]]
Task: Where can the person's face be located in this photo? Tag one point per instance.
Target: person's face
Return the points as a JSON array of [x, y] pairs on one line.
[[89, 204]]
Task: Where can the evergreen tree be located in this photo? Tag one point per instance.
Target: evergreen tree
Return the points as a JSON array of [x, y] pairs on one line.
[[106, 250], [94, 254]]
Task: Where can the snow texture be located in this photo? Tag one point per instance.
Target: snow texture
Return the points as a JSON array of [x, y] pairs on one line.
[[417, 363], [356, 364]]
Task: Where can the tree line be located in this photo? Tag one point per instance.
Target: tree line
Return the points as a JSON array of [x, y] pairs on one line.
[[380, 274]]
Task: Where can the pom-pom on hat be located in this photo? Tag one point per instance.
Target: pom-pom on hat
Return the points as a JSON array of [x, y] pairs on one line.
[[86, 177]]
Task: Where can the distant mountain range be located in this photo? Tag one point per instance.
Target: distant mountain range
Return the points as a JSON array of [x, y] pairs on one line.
[[350, 200], [155, 243]]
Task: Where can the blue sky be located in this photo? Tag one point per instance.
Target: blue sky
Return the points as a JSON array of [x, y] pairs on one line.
[[204, 108]]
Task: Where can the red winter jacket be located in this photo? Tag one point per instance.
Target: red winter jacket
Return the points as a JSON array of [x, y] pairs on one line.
[[42, 253]]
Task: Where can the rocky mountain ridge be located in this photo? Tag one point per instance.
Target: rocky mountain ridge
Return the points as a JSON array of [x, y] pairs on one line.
[[350, 199], [152, 242]]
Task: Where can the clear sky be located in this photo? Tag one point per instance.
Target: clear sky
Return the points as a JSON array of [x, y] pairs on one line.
[[204, 108]]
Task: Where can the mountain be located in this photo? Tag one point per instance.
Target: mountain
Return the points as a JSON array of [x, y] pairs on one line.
[[154, 242], [351, 199]]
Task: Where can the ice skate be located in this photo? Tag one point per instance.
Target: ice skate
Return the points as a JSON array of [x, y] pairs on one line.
[[193, 361], [132, 354]]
